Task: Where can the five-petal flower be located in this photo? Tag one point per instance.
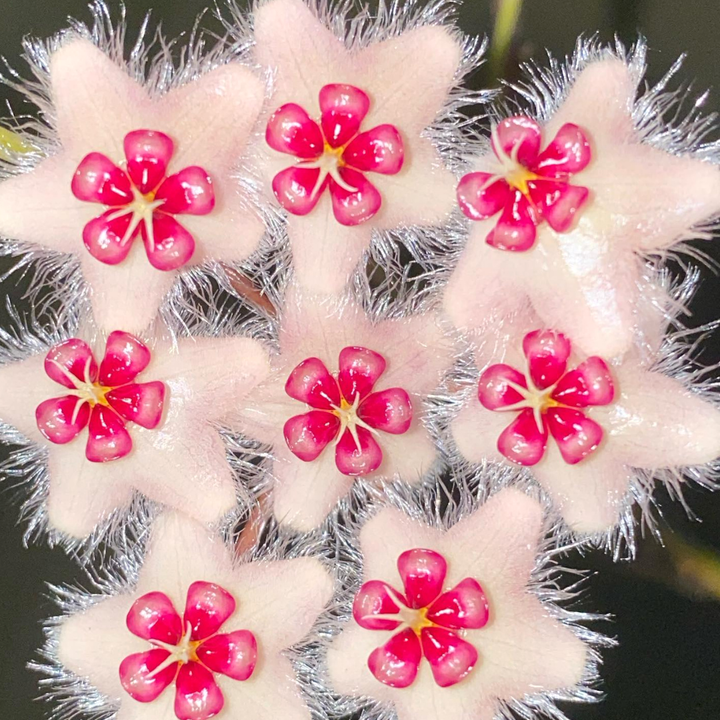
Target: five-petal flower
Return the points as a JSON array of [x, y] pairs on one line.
[[529, 186], [333, 154], [523, 650], [427, 620], [142, 198], [103, 399], [345, 410]]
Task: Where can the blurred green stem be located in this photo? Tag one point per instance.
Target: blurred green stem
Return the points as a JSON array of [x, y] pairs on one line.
[[11, 143], [506, 20]]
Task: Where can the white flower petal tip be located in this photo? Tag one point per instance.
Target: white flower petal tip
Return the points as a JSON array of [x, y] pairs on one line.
[[449, 623], [596, 434], [563, 217], [116, 425], [392, 89], [196, 632], [138, 180], [345, 399]]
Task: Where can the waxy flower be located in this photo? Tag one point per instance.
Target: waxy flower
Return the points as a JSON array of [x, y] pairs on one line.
[[345, 410], [375, 102], [487, 637], [529, 186], [181, 463], [187, 651], [334, 155], [376, 374], [227, 655], [427, 621], [142, 199], [547, 398], [650, 424], [103, 399], [585, 280], [182, 148]]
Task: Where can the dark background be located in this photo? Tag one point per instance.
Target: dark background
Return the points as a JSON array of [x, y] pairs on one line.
[[667, 604]]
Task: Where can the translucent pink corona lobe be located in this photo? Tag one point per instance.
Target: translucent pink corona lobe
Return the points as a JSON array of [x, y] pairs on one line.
[[125, 358], [463, 607], [530, 186], [141, 403], [153, 617], [358, 455], [396, 663], [451, 658], [548, 399], [376, 598], [234, 654], [309, 434], [142, 200], [423, 574], [197, 695], [208, 606], [139, 676], [360, 369], [107, 437], [311, 382], [387, 410], [62, 419], [333, 154], [73, 357]]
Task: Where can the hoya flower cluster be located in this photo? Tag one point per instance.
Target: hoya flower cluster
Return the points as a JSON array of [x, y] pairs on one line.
[[336, 367]]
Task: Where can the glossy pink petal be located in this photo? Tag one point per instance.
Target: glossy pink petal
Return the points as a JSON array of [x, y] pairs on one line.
[[296, 189], [148, 154], [172, 245], [125, 358], [190, 192], [557, 201], [360, 369], [396, 663], [153, 617], [105, 237], [233, 654], [309, 434], [355, 461], [378, 150], [590, 383], [388, 410], [343, 108], [516, 229], [518, 138], [197, 696], [576, 434], [568, 153], [207, 607], [464, 607], [61, 419], [290, 130], [75, 357], [356, 207], [522, 441], [547, 353], [136, 675], [480, 198], [494, 390], [99, 180], [451, 658], [142, 403], [107, 437], [423, 574], [374, 598], [311, 382]]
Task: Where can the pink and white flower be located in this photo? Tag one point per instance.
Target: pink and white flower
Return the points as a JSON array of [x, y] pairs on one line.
[[346, 410], [333, 154], [487, 637], [226, 655], [104, 399], [582, 278], [618, 424], [361, 379], [142, 199], [176, 456], [547, 398], [396, 86], [175, 152], [529, 186]]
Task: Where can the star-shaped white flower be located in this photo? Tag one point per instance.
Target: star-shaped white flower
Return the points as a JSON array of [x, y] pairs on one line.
[[404, 82], [277, 601], [181, 462], [653, 424], [522, 650], [643, 200], [398, 361], [95, 104]]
